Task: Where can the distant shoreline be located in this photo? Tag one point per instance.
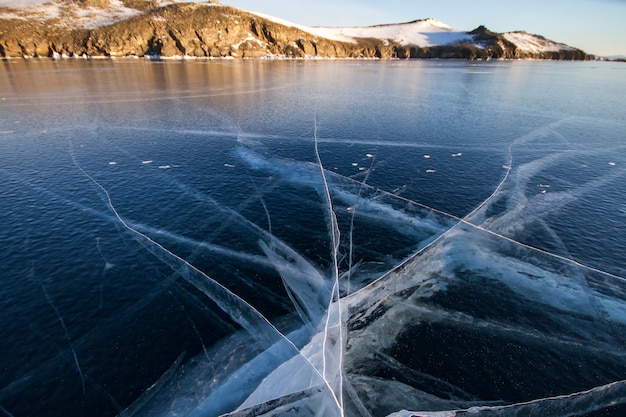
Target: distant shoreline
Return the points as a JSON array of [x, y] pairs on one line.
[[183, 58], [223, 32]]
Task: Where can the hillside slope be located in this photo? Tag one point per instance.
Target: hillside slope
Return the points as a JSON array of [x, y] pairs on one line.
[[119, 28]]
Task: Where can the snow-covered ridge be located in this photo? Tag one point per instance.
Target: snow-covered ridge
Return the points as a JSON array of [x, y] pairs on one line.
[[30, 4], [426, 32], [72, 14], [423, 33], [69, 14], [533, 43], [427, 38]]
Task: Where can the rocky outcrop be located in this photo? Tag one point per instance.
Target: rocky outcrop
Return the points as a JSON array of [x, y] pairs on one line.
[[497, 45], [215, 30], [491, 45], [199, 30]]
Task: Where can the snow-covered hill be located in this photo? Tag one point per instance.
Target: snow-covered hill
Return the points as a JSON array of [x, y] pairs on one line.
[[427, 32], [423, 33], [81, 14], [533, 43], [93, 14], [210, 29], [70, 14]]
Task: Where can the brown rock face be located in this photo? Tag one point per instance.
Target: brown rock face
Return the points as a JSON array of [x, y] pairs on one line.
[[203, 30], [214, 30], [103, 4]]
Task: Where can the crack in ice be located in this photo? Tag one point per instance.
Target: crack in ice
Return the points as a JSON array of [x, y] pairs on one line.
[[248, 323], [334, 231], [67, 336]]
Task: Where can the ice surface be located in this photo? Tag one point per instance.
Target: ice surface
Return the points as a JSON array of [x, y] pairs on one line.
[[67, 336], [333, 270], [479, 247], [333, 360]]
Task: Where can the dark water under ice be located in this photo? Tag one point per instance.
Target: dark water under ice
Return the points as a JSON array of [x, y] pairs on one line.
[[312, 238]]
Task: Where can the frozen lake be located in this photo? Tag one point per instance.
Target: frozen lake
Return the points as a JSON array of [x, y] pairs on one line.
[[312, 238]]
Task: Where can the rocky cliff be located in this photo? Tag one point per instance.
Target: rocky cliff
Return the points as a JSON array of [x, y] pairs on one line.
[[146, 28]]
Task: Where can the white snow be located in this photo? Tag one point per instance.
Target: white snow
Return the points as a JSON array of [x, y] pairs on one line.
[[532, 43], [18, 4], [312, 30], [68, 14], [428, 32]]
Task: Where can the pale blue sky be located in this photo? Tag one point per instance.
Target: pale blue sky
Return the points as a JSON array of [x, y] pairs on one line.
[[595, 26]]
